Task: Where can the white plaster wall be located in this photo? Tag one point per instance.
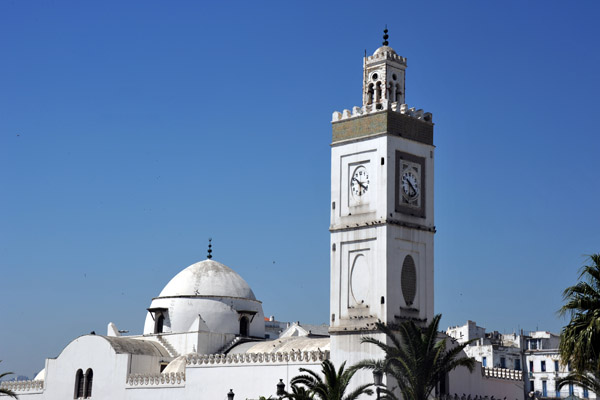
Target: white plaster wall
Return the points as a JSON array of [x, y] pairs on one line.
[[349, 349], [210, 382], [110, 369], [419, 245], [462, 381]]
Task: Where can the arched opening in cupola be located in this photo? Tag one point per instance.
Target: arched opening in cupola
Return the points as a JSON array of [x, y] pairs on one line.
[[79, 384], [244, 326], [370, 94], [89, 377]]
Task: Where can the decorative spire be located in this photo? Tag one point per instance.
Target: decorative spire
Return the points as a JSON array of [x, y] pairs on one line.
[[209, 256], [385, 36]]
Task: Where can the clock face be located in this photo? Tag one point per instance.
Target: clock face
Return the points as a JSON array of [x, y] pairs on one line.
[[410, 185], [359, 183]]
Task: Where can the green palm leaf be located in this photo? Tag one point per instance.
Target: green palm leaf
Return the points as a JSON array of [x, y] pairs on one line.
[[416, 358]]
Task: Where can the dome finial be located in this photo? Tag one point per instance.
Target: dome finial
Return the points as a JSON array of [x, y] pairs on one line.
[[385, 36], [209, 256]]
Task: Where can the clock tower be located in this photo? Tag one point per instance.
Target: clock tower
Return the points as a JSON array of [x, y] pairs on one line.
[[382, 224]]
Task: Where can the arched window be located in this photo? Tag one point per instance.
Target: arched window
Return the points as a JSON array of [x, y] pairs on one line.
[[79, 383], [398, 93], [378, 92], [244, 326], [370, 94], [159, 323], [89, 377]]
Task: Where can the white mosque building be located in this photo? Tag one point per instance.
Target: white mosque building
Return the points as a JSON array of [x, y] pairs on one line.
[[205, 335]]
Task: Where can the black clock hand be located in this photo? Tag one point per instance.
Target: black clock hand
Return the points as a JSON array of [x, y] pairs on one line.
[[412, 186]]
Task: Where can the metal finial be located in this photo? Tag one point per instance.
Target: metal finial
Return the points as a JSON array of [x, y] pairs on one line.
[[385, 36], [209, 256]]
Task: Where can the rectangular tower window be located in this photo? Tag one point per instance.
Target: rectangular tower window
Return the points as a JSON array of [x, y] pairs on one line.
[[556, 366], [543, 366]]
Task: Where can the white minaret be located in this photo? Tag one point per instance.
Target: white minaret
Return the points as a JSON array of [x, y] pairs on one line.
[[382, 224]]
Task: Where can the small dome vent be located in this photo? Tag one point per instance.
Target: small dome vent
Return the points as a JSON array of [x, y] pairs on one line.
[[408, 280]]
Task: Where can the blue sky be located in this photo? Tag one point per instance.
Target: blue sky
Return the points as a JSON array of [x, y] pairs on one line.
[[130, 132]]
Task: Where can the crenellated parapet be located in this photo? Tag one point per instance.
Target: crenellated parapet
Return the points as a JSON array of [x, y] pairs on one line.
[[258, 358], [386, 53], [464, 396], [162, 380], [376, 108], [502, 373], [23, 386]]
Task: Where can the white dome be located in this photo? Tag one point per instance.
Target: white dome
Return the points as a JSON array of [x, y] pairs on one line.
[[206, 297], [384, 49], [206, 279]]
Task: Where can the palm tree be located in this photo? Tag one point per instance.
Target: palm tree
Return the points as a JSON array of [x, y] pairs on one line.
[[333, 385], [416, 358], [590, 381], [5, 391], [299, 393], [580, 339]]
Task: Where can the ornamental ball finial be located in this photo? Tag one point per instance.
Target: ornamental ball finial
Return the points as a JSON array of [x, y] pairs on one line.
[[385, 36], [209, 256]]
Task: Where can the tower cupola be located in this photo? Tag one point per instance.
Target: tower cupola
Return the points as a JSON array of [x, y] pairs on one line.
[[384, 78]]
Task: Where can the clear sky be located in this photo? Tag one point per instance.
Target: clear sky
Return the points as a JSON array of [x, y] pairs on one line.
[[131, 131]]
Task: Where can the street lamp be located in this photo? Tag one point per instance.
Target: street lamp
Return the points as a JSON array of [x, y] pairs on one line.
[[280, 388], [230, 394], [377, 380]]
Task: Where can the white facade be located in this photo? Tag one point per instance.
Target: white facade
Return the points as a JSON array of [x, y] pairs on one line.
[[544, 367], [492, 350], [206, 333]]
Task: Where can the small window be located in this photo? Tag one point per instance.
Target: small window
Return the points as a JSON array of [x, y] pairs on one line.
[[484, 361], [244, 326], [571, 391], [533, 345], [543, 366], [557, 394], [502, 362], [89, 378], [517, 364], [556, 366], [530, 366], [586, 394], [531, 386], [544, 388], [159, 323], [79, 384]]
